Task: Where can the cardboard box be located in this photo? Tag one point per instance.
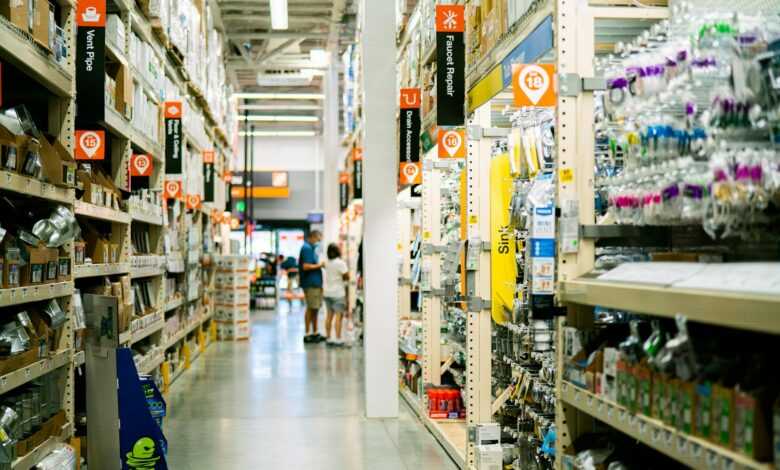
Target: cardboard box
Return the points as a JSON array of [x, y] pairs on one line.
[[490, 457], [59, 167], [15, 11], [52, 264], [63, 268], [230, 313], [34, 272], [40, 28], [723, 416]]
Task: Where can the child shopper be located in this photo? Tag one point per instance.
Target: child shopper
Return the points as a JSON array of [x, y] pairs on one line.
[[336, 277]]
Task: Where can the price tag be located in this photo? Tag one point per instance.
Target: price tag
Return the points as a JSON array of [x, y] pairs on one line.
[[623, 415], [712, 459], [3, 382], [590, 401], [610, 411], [642, 427], [24, 293], [728, 464], [668, 438], [633, 421], [601, 407], [682, 445], [656, 435], [576, 395], [27, 373], [695, 450]]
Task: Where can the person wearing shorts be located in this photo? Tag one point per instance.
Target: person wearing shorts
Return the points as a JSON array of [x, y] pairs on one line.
[[336, 275], [311, 282]]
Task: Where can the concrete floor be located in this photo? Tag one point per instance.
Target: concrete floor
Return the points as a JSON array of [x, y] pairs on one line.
[[270, 403]]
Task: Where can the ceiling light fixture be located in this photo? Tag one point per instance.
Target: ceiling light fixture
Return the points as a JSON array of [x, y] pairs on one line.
[[278, 134], [279, 17], [279, 107], [257, 118], [278, 96]]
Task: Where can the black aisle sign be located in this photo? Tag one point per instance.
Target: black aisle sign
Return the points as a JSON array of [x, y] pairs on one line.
[[208, 176], [410, 125], [173, 137], [343, 191], [451, 64], [357, 173], [91, 60]]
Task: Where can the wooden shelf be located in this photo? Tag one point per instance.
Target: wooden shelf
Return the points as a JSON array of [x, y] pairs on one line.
[[31, 372], [101, 213], [23, 295], [81, 271], [146, 217], [27, 186], [155, 325], [689, 450], [34, 457]]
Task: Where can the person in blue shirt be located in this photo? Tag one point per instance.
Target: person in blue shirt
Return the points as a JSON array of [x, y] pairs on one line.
[[311, 282]]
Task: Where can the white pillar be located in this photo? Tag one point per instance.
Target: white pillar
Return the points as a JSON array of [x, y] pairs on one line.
[[332, 150], [379, 188]]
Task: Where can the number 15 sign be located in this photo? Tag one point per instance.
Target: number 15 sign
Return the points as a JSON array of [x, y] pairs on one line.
[[534, 85]]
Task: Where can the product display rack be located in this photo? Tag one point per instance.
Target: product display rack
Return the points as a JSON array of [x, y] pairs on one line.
[[55, 86]]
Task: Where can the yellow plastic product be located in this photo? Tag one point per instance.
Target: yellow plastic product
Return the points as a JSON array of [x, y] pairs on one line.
[[503, 267]]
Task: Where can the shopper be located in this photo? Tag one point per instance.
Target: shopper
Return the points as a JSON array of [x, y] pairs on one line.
[[311, 282], [336, 275]]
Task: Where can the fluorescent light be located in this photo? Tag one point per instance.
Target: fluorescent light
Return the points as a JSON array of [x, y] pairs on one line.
[[278, 96], [279, 107], [279, 15], [258, 118], [278, 134]]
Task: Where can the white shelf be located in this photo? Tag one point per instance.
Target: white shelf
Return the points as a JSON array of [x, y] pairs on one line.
[[176, 302], [101, 213], [34, 457], [23, 295], [689, 450], [20, 50], [31, 372], [181, 334], [146, 145], [146, 217], [146, 271], [81, 271], [27, 186], [736, 310], [132, 337], [116, 124]]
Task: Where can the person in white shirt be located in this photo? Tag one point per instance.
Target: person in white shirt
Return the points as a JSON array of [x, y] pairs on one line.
[[336, 275]]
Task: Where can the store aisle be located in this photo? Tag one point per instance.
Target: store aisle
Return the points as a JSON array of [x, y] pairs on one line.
[[271, 403]]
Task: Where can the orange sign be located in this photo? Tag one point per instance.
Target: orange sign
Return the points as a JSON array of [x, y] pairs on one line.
[[534, 85], [343, 177], [141, 165], [410, 173], [91, 13], [208, 156], [410, 98], [193, 201], [450, 18], [90, 145], [357, 154], [227, 176], [173, 110], [452, 143], [173, 189]]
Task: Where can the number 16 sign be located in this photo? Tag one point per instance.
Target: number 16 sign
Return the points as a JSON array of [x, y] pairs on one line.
[[534, 85]]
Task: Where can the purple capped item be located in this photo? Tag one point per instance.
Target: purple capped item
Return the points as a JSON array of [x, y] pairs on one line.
[[671, 192]]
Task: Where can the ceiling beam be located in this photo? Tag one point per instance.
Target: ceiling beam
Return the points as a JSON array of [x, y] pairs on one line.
[[277, 34]]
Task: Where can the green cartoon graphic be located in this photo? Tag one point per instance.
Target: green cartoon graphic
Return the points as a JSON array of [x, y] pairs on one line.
[[142, 457]]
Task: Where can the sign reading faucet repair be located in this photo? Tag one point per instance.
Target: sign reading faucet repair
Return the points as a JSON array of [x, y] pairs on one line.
[[451, 60]]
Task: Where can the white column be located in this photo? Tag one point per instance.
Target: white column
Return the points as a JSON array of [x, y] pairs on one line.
[[332, 151], [380, 183]]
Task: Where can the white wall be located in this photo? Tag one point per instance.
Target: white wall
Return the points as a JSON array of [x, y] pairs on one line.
[[282, 153]]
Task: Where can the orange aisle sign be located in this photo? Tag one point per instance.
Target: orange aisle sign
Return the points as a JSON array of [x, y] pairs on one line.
[[173, 189], [534, 85], [227, 176], [208, 156], [410, 173], [90, 145], [141, 165], [452, 143]]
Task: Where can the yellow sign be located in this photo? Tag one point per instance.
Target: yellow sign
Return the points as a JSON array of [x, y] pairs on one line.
[[503, 265], [566, 175]]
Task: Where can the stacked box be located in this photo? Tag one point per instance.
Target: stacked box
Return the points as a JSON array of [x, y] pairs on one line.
[[231, 305]]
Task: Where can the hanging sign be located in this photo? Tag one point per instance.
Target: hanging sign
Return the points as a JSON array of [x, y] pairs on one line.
[[173, 189], [451, 60], [91, 60], [357, 172], [193, 201], [410, 125], [410, 173], [141, 165], [90, 145], [343, 190], [452, 143], [173, 137], [227, 176], [533, 85], [208, 176]]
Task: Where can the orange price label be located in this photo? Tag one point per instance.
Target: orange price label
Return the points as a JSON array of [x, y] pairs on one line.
[[141, 165], [410, 173], [173, 189], [90, 145], [452, 143]]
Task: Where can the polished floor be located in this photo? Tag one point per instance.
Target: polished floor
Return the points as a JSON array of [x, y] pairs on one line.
[[272, 403]]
